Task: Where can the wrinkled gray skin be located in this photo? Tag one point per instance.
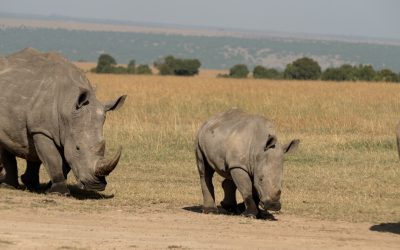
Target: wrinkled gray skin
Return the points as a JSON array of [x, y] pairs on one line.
[[50, 115], [244, 150]]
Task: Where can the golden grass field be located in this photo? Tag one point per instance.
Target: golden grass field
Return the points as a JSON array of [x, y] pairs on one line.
[[347, 167]]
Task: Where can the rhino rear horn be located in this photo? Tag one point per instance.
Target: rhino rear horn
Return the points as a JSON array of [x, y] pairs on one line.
[[105, 166]]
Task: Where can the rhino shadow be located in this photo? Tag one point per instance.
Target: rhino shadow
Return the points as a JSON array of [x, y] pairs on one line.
[[386, 228], [76, 192], [81, 194], [262, 215]]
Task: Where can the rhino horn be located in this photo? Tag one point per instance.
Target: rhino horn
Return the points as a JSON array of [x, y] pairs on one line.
[[105, 166]]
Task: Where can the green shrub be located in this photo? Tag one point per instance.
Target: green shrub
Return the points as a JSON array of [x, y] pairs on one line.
[[303, 69], [262, 72], [238, 71], [105, 64], [365, 73], [143, 69], [176, 66], [131, 68], [386, 75]]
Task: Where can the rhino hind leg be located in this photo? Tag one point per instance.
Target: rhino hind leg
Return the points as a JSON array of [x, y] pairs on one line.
[[9, 163], [229, 202], [31, 176], [206, 174]]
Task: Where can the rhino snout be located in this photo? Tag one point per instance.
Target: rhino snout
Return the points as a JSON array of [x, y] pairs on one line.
[[271, 205], [96, 184]]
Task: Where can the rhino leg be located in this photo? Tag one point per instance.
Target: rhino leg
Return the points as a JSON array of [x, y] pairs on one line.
[[2, 175], [53, 162], [229, 202], [31, 176], [206, 173], [245, 186], [9, 163]]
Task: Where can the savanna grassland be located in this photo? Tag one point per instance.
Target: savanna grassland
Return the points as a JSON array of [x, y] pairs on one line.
[[346, 168]]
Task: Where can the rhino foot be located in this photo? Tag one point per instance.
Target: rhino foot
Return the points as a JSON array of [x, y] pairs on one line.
[[229, 208], [33, 186], [9, 186], [210, 210], [59, 188], [249, 215]]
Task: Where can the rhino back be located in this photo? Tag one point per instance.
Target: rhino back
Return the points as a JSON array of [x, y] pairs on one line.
[[33, 85], [233, 138]]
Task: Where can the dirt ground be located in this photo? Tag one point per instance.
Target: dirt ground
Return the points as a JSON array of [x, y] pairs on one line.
[[184, 228]]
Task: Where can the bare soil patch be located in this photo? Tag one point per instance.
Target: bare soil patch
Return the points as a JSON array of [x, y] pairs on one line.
[[179, 228]]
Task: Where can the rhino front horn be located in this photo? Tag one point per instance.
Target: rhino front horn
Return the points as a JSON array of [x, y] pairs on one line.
[[104, 166]]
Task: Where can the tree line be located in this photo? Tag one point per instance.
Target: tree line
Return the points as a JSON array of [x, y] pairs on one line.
[[308, 69], [304, 68], [166, 66]]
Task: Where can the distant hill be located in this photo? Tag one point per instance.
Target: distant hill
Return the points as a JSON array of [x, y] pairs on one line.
[[217, 49]]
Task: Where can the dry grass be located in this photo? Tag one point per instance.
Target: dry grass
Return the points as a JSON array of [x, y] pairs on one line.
[[347, 167]]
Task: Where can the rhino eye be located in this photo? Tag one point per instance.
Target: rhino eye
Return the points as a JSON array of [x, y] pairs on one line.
[[261, 178]]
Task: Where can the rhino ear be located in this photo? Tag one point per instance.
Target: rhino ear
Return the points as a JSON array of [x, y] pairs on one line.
[[115, 104], [271, 142], [83, 98], [291, 146]]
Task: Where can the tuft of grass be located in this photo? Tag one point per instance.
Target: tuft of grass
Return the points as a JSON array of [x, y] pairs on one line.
[[346, 168]]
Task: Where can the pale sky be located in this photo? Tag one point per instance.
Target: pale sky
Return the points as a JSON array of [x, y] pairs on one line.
[[369, 18]]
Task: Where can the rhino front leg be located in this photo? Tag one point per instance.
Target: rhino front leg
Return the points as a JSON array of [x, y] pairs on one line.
[[53, 162], [2, 175], [243, 183], [229, 202], [9, 163], [31, 176], [206, 173]]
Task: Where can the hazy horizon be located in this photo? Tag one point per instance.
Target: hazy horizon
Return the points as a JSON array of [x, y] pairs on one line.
[[353, 18]]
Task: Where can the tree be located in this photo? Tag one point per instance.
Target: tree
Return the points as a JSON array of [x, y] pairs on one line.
[[238, 71], [131, 67], [105, 64], [143, 69], [176, 66], [262, 72], [386, 75], [365, 73], [303, 69], [346, 72]]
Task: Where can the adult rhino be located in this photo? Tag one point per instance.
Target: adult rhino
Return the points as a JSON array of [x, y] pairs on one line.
[[49, 114], [243, 149]]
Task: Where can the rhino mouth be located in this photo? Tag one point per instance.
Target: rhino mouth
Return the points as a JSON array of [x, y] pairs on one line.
[[98, 185], [271, 206]]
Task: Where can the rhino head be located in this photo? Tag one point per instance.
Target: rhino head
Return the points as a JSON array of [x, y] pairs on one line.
[[81, 131], [268, 172]]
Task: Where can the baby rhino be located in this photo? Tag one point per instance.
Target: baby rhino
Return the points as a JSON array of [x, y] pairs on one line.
[[243, 149]]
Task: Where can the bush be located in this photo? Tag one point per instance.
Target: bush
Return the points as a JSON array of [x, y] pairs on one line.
[[238, 71], [262, 72], [119, 70], [143, 69], [105, 64], [303, 69], [345, 72], [365, 73], [386, 75], [131, 68], [176, 66]]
